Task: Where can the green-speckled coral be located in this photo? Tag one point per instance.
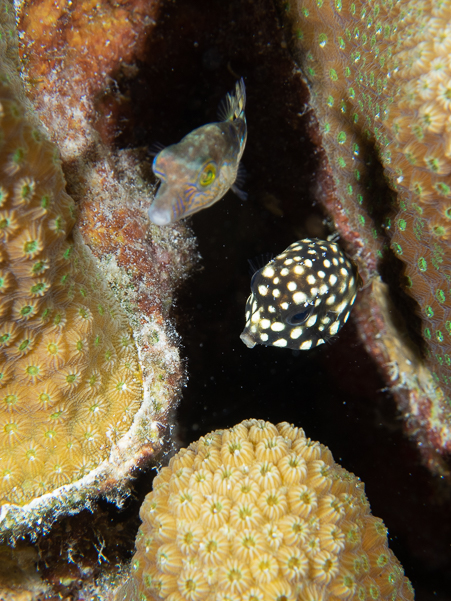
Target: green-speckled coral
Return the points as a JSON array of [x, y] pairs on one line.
[[380, 76], [260, 513], [70, 382]]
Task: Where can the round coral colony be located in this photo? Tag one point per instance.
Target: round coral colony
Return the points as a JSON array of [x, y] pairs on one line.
[[260, 513]]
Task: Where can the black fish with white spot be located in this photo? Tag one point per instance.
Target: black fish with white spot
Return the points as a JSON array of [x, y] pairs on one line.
[[301, 298]]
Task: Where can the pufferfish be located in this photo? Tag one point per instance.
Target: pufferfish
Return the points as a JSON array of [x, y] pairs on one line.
[[203, 166], [301, 298]]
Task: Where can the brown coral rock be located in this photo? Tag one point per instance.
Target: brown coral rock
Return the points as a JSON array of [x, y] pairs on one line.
[[260, 512], [378, 74]]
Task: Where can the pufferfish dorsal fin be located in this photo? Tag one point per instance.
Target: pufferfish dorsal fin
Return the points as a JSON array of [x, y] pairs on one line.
[[232, 107]]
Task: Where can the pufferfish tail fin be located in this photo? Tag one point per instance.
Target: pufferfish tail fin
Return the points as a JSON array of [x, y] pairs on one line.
[[232, 107]]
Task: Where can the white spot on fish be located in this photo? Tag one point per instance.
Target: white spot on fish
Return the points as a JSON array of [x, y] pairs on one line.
[[299, 297], [264, 337], [276, 280], [255, 317], [341, 307], [326, 263], [321, 274], [308, 263], [292, 286], [284, 272], [334, 328], [277, 326], [296, 333], [306, 345], [298, 270], [330, 300], [276, 293], [311, 321], [311, 279], [265, 323], [323, 289], [268, 272], [332, 279], [263, 290], [281, 342]]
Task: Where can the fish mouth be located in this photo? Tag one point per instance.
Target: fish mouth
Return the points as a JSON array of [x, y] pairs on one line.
[[160, 216], [247, 339]]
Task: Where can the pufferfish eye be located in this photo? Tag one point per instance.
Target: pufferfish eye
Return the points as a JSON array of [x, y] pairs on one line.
[[208, 175], [297, 317]]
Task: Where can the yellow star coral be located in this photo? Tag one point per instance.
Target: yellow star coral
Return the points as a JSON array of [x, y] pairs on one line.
[[260, 512], [379, 74], [70, 382]]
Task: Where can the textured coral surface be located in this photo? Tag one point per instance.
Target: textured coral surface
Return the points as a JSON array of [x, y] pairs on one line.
[[379, 77], [260, 512], [70, 375], [71, 53], [82, 364]]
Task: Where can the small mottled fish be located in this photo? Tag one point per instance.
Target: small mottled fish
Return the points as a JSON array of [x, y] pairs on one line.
[[203, 166], [301, 298]]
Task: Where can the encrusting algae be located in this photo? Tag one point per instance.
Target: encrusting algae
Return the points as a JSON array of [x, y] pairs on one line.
[[379, 74], [260, 512]]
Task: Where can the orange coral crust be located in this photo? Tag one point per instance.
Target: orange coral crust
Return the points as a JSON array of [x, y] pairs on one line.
[[70, 378], [260, 512], [84, 43], [379, 74]]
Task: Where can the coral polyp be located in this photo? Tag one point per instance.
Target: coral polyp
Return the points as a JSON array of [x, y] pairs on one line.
[[272, 517]]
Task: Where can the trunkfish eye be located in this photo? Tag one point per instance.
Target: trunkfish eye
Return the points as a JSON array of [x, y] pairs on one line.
[[208, 175], [298, 317]]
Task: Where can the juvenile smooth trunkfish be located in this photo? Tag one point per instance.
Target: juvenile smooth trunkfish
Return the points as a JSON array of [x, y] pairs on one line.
[[301, 298], [203, 166]]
